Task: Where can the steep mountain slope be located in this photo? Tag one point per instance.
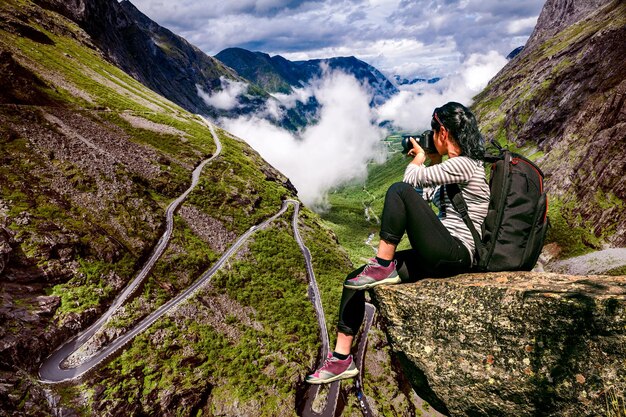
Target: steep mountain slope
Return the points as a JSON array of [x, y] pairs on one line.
[[153, 55], [564, 96], [277, 74], [90, 160]]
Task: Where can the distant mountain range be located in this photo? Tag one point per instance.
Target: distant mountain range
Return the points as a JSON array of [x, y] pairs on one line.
[[515, 52], [279, 75], [404, 81]]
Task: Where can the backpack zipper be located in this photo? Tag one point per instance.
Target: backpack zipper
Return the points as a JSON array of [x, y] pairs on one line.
[[516, 160]]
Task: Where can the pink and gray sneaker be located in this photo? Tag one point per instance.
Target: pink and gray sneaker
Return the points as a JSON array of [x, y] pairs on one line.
[[372, 275], [333, 369]]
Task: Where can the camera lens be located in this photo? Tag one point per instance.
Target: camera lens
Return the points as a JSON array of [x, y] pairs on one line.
[[424, 139], [406, 144]]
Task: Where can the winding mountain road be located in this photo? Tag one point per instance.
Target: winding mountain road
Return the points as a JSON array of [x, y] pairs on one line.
[[53, 371]]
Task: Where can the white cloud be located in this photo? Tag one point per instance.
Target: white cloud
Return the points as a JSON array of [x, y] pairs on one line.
[[334, 150], [412, 108], [521, 25], [346, 137], [225, 99], [478, 69], [298, 94], [403, 56], [392, 35], [273, 109]]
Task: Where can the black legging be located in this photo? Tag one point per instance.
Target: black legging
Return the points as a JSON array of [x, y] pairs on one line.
[[435, 253]]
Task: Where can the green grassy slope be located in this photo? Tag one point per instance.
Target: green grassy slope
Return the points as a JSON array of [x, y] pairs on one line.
[[84, 214]]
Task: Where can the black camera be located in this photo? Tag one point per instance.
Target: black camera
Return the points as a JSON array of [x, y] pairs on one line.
[[425, 140]]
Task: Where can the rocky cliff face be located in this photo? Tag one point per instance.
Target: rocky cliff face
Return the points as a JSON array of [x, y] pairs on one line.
[[153, 55], [562, 100], [560, 14], [172, 67], [512, 344]]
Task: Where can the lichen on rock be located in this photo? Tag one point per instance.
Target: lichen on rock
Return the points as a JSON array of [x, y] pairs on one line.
[[511, 344]]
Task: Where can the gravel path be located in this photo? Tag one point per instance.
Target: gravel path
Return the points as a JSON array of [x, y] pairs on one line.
[[595, 263]]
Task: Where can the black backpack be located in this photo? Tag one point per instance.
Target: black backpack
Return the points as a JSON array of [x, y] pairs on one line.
[[516, 224]]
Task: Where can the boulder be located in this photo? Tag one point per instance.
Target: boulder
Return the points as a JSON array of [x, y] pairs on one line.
[[511, 344]]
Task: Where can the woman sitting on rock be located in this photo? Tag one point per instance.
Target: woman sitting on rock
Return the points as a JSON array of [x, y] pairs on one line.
[[442, 245]]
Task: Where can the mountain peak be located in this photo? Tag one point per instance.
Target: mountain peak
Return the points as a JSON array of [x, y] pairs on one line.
[[556, 15], [277, 74]]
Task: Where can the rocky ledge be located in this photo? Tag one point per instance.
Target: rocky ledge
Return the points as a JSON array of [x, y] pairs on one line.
[[512, 344]]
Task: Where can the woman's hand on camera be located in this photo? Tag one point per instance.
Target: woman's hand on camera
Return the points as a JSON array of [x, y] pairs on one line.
[[418, 154]]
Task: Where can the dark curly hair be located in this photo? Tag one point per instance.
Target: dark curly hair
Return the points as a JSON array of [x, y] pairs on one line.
[[462, 125]]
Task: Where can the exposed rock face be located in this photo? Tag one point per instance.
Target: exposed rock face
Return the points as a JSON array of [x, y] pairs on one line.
[[5, 248], [511, 344], [559, 14], [165, 62], [565, 95]]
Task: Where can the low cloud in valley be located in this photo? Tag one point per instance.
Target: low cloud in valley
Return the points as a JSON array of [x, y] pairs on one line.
[[334, 150], [348, 136]]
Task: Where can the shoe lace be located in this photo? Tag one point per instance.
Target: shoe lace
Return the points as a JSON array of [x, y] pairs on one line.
[[370, 264], [327, 362], [373, 263]]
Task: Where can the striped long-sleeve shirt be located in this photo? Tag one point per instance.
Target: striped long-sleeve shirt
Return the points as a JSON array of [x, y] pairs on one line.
[[470, 175]]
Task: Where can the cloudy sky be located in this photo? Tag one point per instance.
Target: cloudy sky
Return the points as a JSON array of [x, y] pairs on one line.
[[407, 37]]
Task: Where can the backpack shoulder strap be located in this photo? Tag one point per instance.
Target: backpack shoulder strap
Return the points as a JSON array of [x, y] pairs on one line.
[[457, 200], [493, 157]]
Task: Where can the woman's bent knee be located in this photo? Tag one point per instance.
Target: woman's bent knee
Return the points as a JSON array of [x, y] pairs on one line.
[[399, 188]]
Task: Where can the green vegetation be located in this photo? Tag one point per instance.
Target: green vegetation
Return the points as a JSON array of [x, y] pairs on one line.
[[529, 150], [347, 217], [611, 18], [574, 235], [330, 264], [491, 106], [268, 280], [617, 271], [89, 288], [240, 189], [615, 403], [108, 219], [183, 262]]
